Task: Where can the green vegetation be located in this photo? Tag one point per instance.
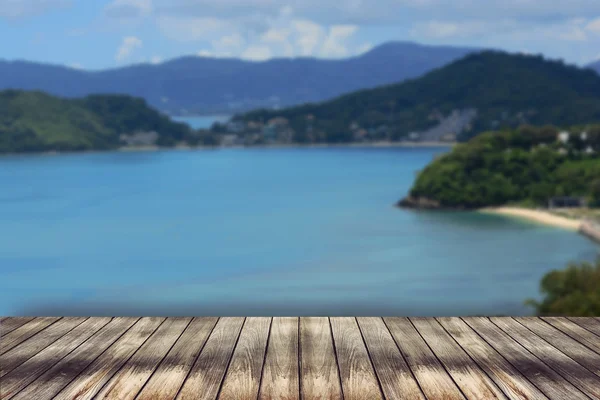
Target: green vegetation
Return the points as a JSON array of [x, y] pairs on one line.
[[573, 292], [35, 121], [506, 90], [527, 165]]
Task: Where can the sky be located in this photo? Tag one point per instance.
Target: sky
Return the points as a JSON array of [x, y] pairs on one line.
[[100, 34]]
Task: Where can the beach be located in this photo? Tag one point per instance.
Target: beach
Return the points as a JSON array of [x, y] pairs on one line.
[[538, 216]]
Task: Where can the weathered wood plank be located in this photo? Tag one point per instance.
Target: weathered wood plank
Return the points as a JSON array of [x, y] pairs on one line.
[[582, 335], [319, 376], [27, 349], [24, 332], [242, 380], [395, 377], [128, 381], [579, 376], [506, 377], [90, 381], [171, 373], [564, 343], [207, 373], [543, 377], [590, 324], [473, 382], [429, 372], [9, 324], [45, 360], [281, 374], [359, 381]]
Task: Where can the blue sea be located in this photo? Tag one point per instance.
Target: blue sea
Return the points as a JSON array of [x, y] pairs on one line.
[[307, 231], [202, 122]]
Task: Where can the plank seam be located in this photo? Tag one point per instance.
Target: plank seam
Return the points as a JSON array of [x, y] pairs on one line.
[[337, 363], [557, 349], [567, 334], [62, 358], [48, 345], [404, 358], [262, 369], [541, 361], [23, 341], [370, 359], [162, 360], [197, 356], [572, 319], [237, 340], [438, 359], [299, 360], [18, 326], [126, 361]]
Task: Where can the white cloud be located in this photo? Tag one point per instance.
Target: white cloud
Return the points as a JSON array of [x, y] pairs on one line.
[[128, 45], [257, 53], [76, 66], [335, 43], [156, 60], [27, 8], [309, 35], [364, 48]]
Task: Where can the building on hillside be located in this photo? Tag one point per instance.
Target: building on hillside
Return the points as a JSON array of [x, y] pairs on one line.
[[584, 136], [278, 122], [567, 202], [139, 139], [563, 137]]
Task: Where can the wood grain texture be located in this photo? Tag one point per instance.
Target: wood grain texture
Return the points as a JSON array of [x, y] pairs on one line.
[[429, 372], [395, 377], [207, 373], [359, 381], [29, 348], [280, 378], [169, 376], [504, 375], [575, 373], [472, 381], [45, 360], [590, 324], [582, 335], [9, 324], [24, 332], [319, 375], [563, 343], [242, 381], [89, 382], [543, 377], [128, 381]]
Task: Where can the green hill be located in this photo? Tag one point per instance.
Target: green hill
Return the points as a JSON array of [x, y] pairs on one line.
[[505, 90], [526, 166], [35, 121]]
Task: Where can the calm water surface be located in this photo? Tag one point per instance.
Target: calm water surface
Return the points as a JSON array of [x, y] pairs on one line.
[[261, 231], [202, 122]]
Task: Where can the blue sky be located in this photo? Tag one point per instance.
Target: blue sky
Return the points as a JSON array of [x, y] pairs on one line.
[[97, 34]]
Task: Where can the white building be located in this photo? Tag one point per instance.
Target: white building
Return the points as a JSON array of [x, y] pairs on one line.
[[563, 137], [584, 136]]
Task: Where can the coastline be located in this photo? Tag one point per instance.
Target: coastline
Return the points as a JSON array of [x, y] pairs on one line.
[[262, 146], [537, 216]]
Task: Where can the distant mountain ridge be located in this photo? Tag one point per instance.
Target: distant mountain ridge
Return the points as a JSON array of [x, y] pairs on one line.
[[489, 90], [199, 85]]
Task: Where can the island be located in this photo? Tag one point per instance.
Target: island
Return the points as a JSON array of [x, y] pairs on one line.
[[32, 121]]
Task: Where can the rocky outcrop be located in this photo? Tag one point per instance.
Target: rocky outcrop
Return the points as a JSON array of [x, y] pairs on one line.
[[421, 203]]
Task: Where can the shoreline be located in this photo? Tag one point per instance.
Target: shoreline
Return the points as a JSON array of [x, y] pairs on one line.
[[262, 146], [537, 216]]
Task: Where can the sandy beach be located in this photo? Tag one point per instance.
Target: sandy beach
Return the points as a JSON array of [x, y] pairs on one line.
[[538, 216]]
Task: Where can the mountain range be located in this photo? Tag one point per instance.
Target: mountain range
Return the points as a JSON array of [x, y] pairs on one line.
[[200, 85], [488, 90]]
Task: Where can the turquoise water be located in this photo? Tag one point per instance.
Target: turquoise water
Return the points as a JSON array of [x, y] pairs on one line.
[[202, 122], [255, 232]]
